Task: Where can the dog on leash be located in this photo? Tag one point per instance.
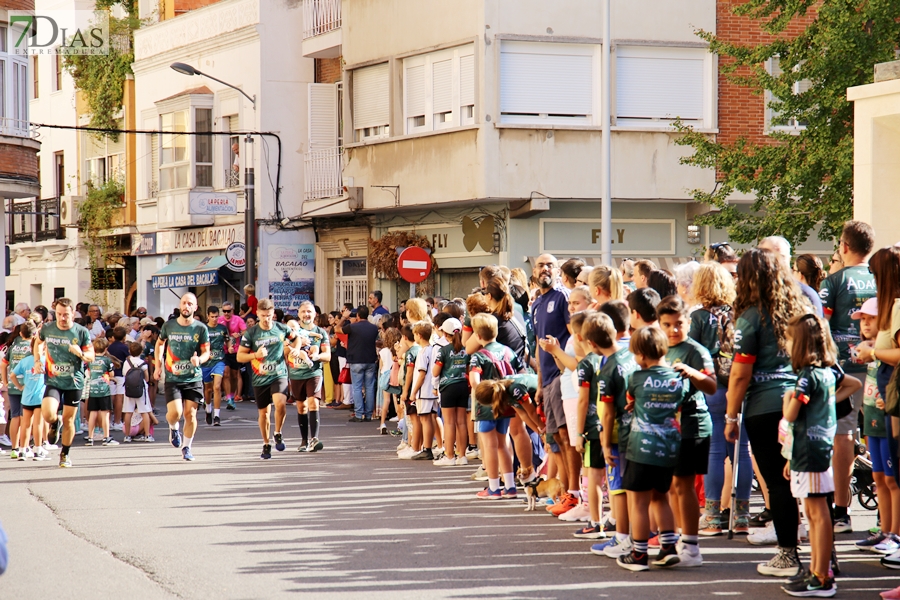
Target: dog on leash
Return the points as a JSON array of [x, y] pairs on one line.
[[541, 488]]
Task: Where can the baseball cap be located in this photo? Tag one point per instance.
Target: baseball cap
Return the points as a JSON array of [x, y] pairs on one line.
[[869, 307], [353, 312], [451, 325], [147, 321]]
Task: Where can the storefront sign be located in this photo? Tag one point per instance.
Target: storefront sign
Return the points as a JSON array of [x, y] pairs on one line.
[[458, 240], [202, 238], [143, 244], [291, 274], [177, 280], [629, 236], [236, 254], [213, 203]]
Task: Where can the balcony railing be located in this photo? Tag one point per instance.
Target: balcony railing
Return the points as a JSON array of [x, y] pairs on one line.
[[320, 16], [17, 127], [33, 221], [232, 179], [323, 174]]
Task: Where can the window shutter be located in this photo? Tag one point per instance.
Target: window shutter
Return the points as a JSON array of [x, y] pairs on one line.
[[659, 87], [154, 160], [415, 91], [233, 124], [442, 86], [371, 96], [466, 80], [538, 78], [323, 122]]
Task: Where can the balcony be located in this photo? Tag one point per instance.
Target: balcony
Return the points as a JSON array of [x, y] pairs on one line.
[[321, 28], [31, 221], [17, 128], [322, 174]]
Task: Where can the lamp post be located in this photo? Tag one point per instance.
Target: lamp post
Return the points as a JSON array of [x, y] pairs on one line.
[[249, 179]]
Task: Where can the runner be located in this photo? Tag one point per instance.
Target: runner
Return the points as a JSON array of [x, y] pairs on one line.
[[185, 344], [305, 373], [263, 346], [68, 349], [214, 368], [236, 327]]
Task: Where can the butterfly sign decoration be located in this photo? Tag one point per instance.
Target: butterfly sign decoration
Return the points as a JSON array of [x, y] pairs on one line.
[[480, 234]]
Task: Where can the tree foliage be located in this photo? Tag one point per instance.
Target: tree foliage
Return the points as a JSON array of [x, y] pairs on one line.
[[805, 179]]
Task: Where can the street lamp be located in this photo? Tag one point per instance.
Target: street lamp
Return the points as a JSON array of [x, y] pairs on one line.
[[249, 180]]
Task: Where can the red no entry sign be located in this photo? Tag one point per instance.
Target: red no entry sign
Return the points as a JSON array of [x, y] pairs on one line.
[[414, 264]]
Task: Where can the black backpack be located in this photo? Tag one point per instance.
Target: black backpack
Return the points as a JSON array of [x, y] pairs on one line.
[[134, 381], [725, 316]]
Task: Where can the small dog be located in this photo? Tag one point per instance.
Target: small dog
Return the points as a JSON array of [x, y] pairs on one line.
[[542, 488]]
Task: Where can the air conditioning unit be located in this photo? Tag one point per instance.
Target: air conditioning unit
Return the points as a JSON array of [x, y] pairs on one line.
[[68, 211]]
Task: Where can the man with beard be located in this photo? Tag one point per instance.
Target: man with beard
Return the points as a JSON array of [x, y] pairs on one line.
[[183, 345], [305, 372], [214, 369]]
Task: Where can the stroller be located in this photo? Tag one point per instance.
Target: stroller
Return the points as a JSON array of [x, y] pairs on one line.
[[862, 484]]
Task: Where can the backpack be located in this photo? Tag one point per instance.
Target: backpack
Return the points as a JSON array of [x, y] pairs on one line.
[[134, 381], [502, 368], [725, 316]]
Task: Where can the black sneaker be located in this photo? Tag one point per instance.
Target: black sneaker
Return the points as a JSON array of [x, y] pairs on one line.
[[633, 561], [89, 441], [802, 575], [279, 442], [209, 418], [355, 419], [53, 436], [217, 422], [266, 453], [761, 519], [424, 455], [811, 587], [667, 557]]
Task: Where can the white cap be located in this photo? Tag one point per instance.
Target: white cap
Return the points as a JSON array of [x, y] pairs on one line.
[[451, 325]]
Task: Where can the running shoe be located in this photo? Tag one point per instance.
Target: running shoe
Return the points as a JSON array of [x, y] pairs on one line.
[[784, 564], [5, 441], [14, 454], [109, 442], [688, 555], [186, 453], [811, 587], [267, 452], [279, 442], [314, 445], [64, 461], [355, 419], [229, 405], [139, 438], [617, 548], [303, 445], [402, 446], [653, 542], [870, 542], [117, 427], [89, 442], [889, 545], [633, 562], [891, 561], [579, 512], [48, 446], [711, 525], [209, 418], [29, 453], [472, 452], [53, 436], [425, 454], [382, 429], [761, 519], [127, 439], [488, 494], [590, 532], [509, 493], [445, 461], [175, 438], [742, 524], [566, 503], [40, 454], [407, 453], [843, 525], [461, 461], [217, 422], [764, 537], [667, 557], [480, 474], [149, 438]]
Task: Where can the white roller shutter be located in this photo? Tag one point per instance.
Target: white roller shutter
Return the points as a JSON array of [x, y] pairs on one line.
[[442, 86], [371, 96], [154, 164], [415, 91], [466, 80], [323, 119], [541, 78], [667, 85]]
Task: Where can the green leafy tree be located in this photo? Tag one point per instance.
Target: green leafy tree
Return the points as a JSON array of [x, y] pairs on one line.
[[805, 179]]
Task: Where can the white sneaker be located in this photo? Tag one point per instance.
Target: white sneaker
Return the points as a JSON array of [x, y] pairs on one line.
[[446, 461], [48, 446], [402, 446], [615, 549], [149, 438], [117, 426], [41, 454], [4, 441], [473, 454], [580, 512], [802, 535], [29, 453], [407, 453], [764, 536], [461, 461], [393, 419], [688, 555], [480, 475]]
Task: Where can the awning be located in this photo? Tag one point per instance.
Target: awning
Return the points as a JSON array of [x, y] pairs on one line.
[[189, 272]]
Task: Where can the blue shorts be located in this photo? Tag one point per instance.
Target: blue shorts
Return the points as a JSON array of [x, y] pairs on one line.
[[500, 425], [880, 452], [217, 369], [614, 474]]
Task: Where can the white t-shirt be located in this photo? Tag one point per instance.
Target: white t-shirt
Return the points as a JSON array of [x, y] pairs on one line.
[[425, 362], [386, 359], [138, 364], [567, 387]]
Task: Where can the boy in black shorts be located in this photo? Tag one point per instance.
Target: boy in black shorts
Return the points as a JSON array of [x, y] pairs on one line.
[[100, 393]]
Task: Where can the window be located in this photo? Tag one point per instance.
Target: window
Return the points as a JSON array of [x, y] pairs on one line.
[[773, 120], [203, 148], [655, 86], [439, 89], [232, 153], [173, 157], [35, 74], [186, 161], [371, 102], [58, 70], [104, 158], [544, 83], [14, 90]]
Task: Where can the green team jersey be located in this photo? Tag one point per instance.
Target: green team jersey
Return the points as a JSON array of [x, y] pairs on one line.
[[409, 360], [64, 370], [873, 417], [815, 426], [273, 367], [613, 389], [453, 365], [522, 390], [629, 286], [655, 437], [101, 371], [19, 349], [843, 294], [217, 338], [298, 369], [705, 330], [182, 342], [755, 343], [479, 362], [695, 420], [588, 372]]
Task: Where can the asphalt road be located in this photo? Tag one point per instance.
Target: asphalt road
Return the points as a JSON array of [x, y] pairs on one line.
[[135, 521]]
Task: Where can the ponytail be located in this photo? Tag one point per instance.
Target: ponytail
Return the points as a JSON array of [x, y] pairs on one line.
[[456, 341], [492, 392]]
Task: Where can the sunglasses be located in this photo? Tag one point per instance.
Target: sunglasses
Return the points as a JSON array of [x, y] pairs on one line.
[[227, 311], [718, 245]]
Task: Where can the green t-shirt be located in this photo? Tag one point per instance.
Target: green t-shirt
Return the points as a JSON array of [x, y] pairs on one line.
[[705, 330], [19, 349], [182, 342], [655, 437], [588, 372], [101, 371], [816, 424], [843, 294], [453, 365], [217, 338], [755, 343], [479, 362], [273, 367], [873, 417], [695, 420], [298, 369], [613, 389], [522, 390], [64, 370]]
